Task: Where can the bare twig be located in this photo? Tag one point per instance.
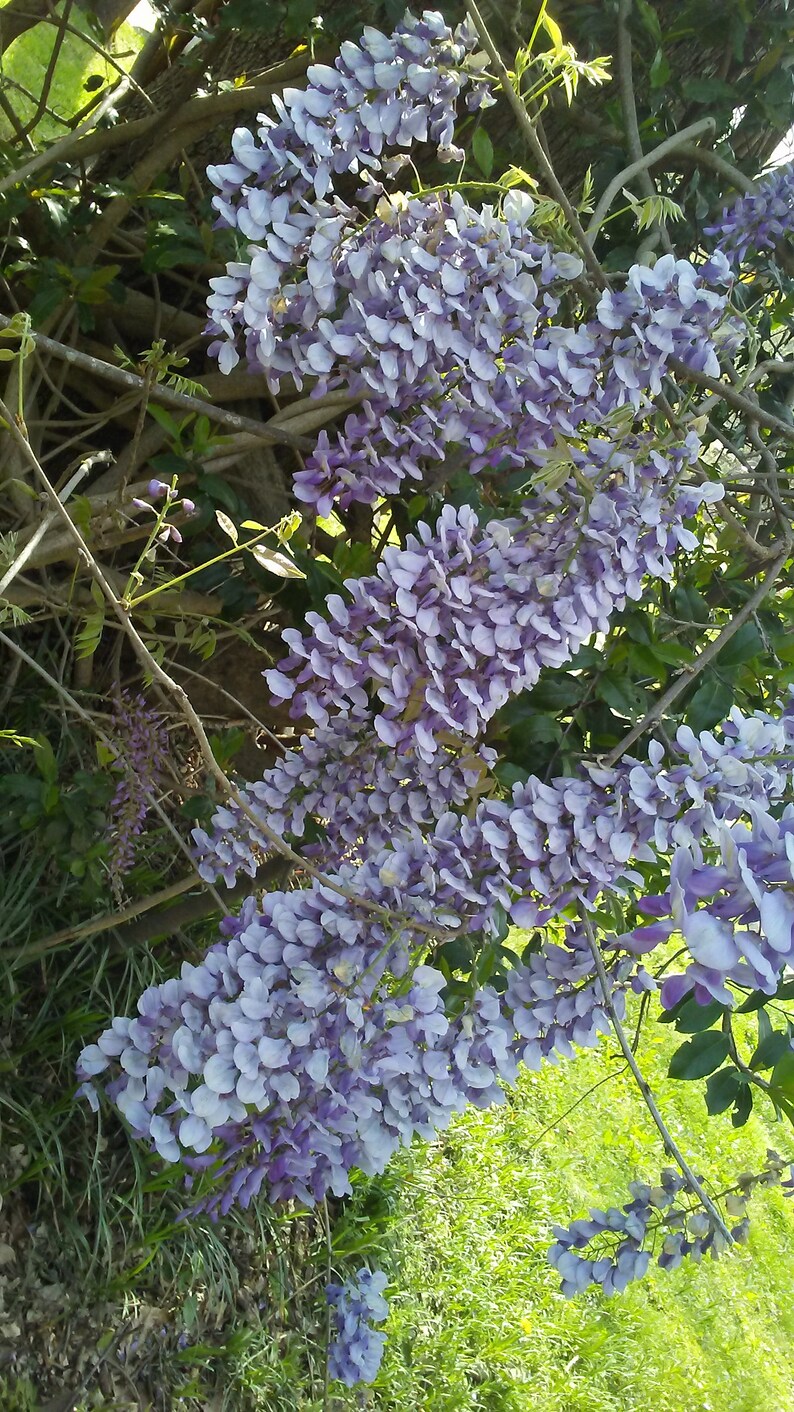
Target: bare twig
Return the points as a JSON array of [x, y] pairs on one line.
[[670, 1145], [65, 146], [25, 553], [710, 651], [629, 107]]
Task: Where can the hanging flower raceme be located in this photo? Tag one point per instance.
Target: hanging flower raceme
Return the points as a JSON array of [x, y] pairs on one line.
[[359, 790], [141, 744], [759, 221], [736, 915], [613, 1247], [466, 616], [356, 1348], [382, 96]]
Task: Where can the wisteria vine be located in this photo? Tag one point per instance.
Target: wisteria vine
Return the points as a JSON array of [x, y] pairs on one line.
[[316, 1037]]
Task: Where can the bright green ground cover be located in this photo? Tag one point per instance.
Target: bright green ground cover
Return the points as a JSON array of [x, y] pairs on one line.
[[477, 1320]]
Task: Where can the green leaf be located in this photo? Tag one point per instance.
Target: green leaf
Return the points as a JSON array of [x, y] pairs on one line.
[[783, 1073], [553, 31], [773, 1047], [694, 1018], [482, 150], [754, 1001], [621, 694], [699, 1056], [745, 644], [708, 90], [711, 703], [690, 605], [558, 693], [90, 634], [276, 563], [165, 420], [228, 526], [659, 71], [650, 19], [45, 760], [722, 1089], [218, 490], [743, 1107]]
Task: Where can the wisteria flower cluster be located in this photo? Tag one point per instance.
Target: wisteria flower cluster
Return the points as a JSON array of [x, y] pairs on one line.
[[759, 221], [140, 741], [294, 1052], [464, 617], [345, 778], [356, 1348], [667, 1221], [736, 916], [434, 313], [621, 1234]]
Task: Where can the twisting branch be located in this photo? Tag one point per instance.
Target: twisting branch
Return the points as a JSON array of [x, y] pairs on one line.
[[670, 1145], [670, 144], [707, 157], [533, 141], [693, 669]]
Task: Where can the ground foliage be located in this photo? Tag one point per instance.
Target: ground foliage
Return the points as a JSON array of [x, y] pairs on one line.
[[109, 243]]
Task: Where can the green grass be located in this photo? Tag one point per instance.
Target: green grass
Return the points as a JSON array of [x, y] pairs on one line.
[[477, 1320]]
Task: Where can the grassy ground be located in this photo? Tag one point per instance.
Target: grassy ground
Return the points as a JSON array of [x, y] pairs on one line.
[[477, 1320]]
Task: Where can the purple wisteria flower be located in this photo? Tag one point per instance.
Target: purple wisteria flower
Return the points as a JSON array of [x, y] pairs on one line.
[[357, 788], [759, 221], [356, 1349], [736, 915], [614, 1239], [466, 616], [141, 744], [613, 1247]]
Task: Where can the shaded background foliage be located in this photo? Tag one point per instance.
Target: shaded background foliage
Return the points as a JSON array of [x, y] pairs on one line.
[[107, 244]]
